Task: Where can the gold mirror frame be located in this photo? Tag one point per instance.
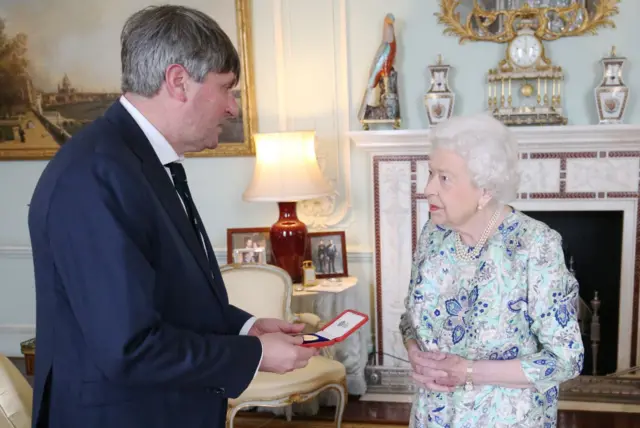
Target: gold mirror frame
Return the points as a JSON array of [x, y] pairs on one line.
[[14, 149], [483, 19]]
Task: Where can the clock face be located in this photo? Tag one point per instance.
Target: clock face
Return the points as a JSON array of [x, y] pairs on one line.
[[525, 50]]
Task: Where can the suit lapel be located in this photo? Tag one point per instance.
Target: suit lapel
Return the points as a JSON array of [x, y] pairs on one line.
[[159, 180]]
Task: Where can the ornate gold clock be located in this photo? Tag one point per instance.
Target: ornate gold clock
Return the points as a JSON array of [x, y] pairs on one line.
[[526, 88]]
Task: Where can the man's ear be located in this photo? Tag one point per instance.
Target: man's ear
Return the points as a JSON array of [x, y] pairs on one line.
[[177, 81]]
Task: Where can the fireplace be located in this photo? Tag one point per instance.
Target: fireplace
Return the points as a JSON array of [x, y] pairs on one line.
[[581, 180], [592, 244]]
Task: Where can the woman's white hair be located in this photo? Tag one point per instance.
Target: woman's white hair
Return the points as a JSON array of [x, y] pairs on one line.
[[489, 149]]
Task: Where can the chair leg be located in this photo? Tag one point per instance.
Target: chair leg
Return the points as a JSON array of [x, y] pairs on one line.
[[340, 405], [288, 411], [229, 423], [231, 414]]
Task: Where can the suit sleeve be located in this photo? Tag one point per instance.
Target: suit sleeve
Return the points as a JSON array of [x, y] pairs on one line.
[[100, 225], [237, 318]]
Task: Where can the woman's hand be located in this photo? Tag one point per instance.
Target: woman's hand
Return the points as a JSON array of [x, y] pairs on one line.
[[453, 365], [436, 371], [444, 372]]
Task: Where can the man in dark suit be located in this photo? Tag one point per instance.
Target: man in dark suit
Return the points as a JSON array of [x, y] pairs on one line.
[[134, 326], [331, 256]]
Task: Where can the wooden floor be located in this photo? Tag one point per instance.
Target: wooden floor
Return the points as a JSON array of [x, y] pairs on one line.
[[361, 412]]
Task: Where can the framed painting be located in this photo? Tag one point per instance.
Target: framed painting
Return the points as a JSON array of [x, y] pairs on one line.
[[60, 69], [249, 245], [328, 251]]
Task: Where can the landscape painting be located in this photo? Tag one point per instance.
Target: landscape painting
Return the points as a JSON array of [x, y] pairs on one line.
[[60, 69]]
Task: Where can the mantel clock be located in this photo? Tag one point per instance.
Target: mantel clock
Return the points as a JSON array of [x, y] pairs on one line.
[[526, 87]]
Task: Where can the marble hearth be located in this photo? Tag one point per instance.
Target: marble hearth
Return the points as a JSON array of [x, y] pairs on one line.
[[564, 168]]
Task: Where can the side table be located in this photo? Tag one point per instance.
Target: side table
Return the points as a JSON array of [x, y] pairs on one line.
[[28, 349]]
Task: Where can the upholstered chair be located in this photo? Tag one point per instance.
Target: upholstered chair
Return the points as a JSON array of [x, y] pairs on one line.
[[16, 396], [265, 291]]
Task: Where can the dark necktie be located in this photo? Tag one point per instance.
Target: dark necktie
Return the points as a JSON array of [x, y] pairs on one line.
[[182, 187]]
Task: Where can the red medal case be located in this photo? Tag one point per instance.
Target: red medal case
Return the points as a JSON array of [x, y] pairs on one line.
[[337, 330]]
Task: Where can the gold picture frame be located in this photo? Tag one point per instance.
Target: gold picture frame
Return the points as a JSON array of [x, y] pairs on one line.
[[30, 133]]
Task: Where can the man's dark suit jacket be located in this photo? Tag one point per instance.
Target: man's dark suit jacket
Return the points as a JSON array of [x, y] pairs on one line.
[[133, 324]]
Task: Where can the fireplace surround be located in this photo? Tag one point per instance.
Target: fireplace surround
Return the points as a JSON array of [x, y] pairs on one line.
[[575, 170]]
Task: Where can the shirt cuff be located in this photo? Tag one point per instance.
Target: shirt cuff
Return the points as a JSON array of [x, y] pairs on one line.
[[244, 331], [247, 326]]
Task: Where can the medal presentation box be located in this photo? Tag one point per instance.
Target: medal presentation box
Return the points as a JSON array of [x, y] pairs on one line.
[[337, 330]]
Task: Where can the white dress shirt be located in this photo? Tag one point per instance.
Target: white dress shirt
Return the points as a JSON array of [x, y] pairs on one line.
[[167, 155]]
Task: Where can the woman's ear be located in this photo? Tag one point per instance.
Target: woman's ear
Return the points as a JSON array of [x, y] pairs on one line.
[[485, 198]]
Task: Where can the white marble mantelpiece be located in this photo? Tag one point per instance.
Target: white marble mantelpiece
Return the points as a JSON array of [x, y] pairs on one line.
[[591, 168], [584, 137]]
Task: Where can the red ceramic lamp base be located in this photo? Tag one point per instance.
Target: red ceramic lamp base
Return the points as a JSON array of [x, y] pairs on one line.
[[289, 241]]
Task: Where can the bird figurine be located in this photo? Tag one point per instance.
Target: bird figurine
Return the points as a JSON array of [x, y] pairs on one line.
[[380, 69]]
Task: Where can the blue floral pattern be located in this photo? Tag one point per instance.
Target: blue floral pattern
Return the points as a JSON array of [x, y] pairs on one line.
[[517, 300], [458, 310]]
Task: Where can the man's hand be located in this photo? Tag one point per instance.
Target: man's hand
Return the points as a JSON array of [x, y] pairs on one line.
[[274, 325], [282, 353]]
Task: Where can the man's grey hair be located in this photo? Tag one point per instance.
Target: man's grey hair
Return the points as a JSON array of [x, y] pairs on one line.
[[158, 36], [489, 149]]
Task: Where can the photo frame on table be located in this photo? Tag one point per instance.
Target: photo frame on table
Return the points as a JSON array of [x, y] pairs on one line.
[[60, 74], [328, 251], [249, 245]]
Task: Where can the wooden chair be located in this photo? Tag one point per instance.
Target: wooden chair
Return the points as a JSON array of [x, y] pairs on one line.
[[265, 291], [16, 396]]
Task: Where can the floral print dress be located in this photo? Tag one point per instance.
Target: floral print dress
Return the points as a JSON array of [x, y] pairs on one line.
[[517, 300]]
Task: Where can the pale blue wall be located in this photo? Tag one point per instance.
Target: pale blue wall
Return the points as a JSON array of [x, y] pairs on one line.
[[420, 40]]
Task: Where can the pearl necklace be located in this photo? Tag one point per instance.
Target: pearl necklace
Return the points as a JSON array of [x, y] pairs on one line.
[[461, 251]]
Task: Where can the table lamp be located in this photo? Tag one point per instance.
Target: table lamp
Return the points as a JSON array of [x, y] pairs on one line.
[[287, 171]]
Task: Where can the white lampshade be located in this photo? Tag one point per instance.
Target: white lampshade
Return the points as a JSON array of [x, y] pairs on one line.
[[286, 169]]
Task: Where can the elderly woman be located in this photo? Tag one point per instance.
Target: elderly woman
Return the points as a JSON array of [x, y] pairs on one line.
[[491, 314]]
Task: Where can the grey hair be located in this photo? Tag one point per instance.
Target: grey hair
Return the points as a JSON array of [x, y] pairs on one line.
[[489, 149], [157, 36]]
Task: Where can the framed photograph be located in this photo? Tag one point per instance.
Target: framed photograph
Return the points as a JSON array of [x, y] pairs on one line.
[[249, 245], [249, 255], [60, 72], [328, 251]]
